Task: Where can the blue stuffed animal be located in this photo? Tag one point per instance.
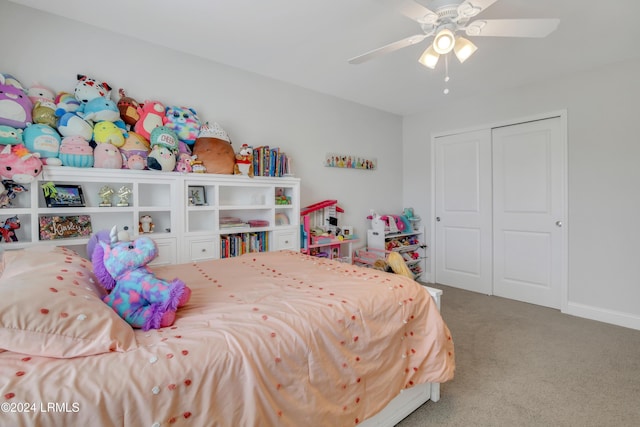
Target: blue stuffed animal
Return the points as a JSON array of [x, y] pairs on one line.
[[184, 122], [102, 110], [136, 294]]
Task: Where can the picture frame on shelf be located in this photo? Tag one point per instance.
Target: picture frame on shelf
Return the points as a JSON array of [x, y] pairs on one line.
[[197, 195], [63, 195], [56, 227]]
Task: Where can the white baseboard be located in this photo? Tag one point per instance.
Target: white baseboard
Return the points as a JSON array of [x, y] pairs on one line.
[[626, 320]]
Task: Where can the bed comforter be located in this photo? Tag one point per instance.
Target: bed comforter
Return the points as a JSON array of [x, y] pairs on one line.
[[267, 339]]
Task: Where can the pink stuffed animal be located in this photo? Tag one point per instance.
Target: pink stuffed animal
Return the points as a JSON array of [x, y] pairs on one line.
[[152, 115], [18, 164], [107, 156]]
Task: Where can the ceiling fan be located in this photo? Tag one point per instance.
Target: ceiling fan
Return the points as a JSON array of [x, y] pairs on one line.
[[444, 19]]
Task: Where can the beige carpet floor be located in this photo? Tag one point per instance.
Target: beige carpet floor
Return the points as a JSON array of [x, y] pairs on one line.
[[519, 364]]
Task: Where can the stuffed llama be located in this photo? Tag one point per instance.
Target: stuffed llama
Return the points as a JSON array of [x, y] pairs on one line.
[[136, 294]]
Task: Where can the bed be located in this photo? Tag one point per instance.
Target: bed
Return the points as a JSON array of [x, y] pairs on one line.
[[267, 339]]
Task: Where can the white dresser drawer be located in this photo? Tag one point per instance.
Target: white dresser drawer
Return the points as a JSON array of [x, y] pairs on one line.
[[202, 249], [285, 239], [166, 252]]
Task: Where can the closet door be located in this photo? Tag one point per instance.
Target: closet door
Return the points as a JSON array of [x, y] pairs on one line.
[[463, 211], [528, 212]]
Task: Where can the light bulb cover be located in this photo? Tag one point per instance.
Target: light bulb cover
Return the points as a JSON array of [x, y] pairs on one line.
[[429, 58], [464, 49], [444, 41]]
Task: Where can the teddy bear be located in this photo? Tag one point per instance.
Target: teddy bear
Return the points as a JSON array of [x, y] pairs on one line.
[[141, 298]]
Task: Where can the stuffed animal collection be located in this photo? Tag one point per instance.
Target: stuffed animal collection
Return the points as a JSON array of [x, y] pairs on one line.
[[134, 292], [84, 127]]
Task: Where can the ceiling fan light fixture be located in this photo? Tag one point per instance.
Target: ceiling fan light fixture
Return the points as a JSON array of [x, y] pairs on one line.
[[429, 58], [444, 41], [463, 49]]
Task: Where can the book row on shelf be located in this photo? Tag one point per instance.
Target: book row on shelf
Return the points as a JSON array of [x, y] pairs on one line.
[[233, 245], [270, 162]]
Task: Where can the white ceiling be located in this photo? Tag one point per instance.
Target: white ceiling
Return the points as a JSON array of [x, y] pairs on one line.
[[307, 43]]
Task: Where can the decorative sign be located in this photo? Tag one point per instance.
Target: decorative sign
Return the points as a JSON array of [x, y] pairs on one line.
[[349, 161], [64, 227]]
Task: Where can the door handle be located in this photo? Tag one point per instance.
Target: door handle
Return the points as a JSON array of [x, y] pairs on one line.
[[438, 218], [558, 223]]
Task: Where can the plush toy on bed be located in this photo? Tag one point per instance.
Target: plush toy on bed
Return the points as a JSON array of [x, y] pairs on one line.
[[135, 293]]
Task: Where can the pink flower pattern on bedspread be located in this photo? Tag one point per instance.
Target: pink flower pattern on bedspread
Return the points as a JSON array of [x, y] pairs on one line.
[[268, 339]]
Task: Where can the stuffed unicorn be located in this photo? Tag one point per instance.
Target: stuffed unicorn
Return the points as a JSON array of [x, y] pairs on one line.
[[136, 294]]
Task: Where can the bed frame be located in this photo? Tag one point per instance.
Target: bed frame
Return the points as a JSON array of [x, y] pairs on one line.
[[409, 399]]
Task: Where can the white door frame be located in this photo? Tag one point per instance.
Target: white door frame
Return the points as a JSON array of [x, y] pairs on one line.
[[562, 114]]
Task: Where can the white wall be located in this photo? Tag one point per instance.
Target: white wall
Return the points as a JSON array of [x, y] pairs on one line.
[[41, 48], [603, 177]]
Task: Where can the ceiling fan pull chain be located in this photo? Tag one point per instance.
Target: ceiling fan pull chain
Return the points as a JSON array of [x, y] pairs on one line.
[[446, 74]]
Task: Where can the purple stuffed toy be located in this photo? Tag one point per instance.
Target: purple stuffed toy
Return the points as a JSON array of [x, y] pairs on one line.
[[136, 294]]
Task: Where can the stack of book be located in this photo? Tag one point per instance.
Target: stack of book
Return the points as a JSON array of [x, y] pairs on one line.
[[233, 245], [231, 222], [270, 162]]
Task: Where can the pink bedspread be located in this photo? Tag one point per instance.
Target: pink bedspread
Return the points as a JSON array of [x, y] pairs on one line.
[[269, 339]]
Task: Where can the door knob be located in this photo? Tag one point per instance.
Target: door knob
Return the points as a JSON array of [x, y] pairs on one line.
[[438, 218], [558, 223]]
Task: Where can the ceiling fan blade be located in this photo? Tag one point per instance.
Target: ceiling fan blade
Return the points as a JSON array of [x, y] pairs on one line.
[[417, 12], [512, 27], [387, 49]]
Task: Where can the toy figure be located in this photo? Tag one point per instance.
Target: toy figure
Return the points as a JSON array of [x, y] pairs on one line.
[[146, 224], [8, 191], [244, 161], [7, 230], [136, 294]]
